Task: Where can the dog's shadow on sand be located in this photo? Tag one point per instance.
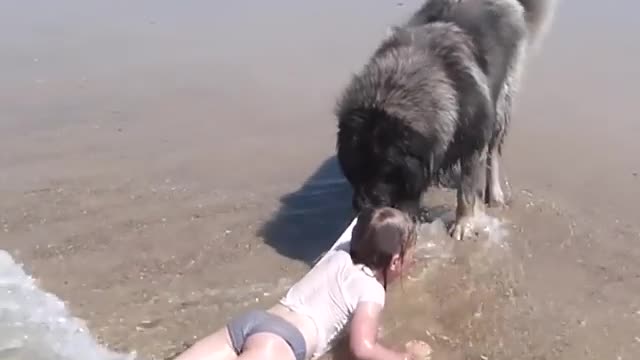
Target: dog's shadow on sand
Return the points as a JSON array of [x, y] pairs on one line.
[[311, 218]]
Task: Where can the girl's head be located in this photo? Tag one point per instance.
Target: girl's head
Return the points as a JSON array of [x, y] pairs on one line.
[[383, 239]]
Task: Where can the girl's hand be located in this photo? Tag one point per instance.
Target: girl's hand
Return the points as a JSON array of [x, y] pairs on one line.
[[418, 350]]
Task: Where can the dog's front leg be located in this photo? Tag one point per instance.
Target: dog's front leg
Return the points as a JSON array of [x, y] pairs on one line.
[[471, 187]]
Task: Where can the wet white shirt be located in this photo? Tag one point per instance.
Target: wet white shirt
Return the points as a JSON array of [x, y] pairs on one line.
[[329, 294]]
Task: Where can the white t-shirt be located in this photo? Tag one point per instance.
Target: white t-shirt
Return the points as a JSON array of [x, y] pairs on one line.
[[329, 294]]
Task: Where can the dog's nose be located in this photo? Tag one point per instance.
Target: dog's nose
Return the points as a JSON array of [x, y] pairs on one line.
[[355, 203], [362, 200], [358, 201], [410, 207]]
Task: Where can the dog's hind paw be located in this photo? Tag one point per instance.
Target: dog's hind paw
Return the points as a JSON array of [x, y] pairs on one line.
[[497, 197], [497, 202], [462, 228]]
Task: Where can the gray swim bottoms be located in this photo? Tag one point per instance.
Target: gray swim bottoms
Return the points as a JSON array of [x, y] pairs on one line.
[[260, 321]]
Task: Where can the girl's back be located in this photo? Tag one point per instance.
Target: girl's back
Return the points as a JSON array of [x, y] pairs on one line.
[[342, 288], [330, 292]]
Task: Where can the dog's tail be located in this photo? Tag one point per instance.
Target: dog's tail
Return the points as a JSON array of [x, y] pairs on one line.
[[539, 15]]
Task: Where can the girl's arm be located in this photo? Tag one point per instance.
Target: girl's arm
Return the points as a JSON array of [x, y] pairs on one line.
[[363, 340]]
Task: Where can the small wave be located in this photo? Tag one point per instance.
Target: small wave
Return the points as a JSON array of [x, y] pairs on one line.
[[36, 325], [435, 236], [434, 241], [492, 229]]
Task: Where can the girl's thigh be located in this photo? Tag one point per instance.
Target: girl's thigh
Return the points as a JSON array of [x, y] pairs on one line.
[[216, 346]]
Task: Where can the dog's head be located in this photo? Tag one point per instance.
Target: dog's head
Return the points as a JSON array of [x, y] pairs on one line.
[[386, 161]]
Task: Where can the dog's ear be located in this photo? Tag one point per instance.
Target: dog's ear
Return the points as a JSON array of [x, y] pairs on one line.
[[422, 159], [415, 176], [416, 144], [348, 145], [350, 130]]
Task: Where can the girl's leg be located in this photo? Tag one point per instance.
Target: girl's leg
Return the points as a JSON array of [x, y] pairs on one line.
[[266, 346], [216, 346]]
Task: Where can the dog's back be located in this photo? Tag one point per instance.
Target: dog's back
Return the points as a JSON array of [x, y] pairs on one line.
[[498, 29], [537, 13], [505, 32], [436, 92], [426, 79]]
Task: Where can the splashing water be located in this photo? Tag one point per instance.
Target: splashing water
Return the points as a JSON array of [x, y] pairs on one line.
[[435, 245], [435, 241], [492, 229], [35, 325]]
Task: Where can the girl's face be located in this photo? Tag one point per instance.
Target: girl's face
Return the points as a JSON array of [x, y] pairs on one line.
[[400, 265], [409, 259]]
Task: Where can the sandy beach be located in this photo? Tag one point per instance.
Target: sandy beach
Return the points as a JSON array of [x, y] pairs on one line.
[[166, 165]]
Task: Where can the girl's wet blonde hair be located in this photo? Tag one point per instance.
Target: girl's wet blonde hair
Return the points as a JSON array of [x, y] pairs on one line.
[[378, 235]]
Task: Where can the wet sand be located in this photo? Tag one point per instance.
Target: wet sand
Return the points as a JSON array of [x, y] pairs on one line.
[[165, 166]]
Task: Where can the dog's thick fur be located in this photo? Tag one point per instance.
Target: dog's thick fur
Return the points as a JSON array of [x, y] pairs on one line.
[[438, 93]]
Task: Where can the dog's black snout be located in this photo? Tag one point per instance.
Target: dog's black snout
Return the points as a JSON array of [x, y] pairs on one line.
[[360, 201], [410, 207], [366, 198]]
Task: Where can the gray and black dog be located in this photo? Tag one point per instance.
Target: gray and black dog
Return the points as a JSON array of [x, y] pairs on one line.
[[438, 94]]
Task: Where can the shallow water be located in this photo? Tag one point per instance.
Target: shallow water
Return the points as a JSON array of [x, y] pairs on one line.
[[456, 292], [35, 325], [166, 165]]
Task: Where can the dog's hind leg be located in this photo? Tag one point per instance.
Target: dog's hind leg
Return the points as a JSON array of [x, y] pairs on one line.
[[470, 193], [495, 195]]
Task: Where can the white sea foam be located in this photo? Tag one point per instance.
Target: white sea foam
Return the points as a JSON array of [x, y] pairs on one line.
[[36, 325]]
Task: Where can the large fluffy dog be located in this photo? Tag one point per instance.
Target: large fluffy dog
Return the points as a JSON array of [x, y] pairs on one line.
[[438, 93]]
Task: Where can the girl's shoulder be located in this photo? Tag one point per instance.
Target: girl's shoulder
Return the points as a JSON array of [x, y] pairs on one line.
[[363, 286], [337, 255], [368, 289]]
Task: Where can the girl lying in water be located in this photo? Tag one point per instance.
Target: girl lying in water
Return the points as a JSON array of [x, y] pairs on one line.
[[342, 288]]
